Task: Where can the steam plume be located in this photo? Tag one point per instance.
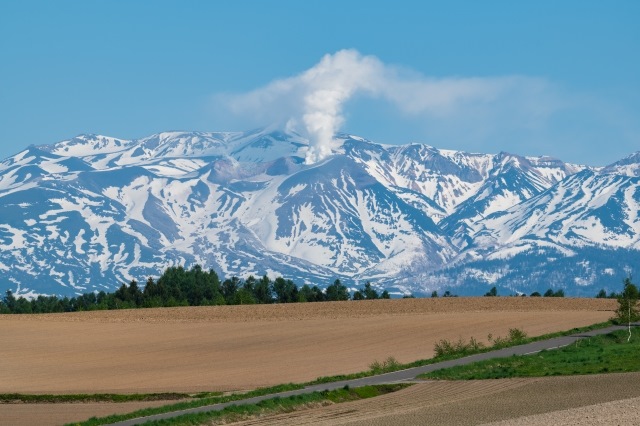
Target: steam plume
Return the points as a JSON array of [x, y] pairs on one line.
[[313, 101]]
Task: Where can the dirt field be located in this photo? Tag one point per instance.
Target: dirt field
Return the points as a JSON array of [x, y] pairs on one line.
[[59, 414], [244, 347], [543, 401]]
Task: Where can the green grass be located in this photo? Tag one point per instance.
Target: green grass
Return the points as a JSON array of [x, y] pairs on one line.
[[100, 397], [190, 404], [280, 405], [608, 353], [274, 405]]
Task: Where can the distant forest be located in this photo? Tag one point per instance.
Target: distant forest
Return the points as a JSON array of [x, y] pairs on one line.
[[194, 287]]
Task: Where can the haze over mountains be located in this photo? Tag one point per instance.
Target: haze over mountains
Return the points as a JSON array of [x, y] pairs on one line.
[[93, 212]]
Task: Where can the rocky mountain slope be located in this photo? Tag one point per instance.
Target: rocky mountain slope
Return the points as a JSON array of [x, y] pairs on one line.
[[93, 212]]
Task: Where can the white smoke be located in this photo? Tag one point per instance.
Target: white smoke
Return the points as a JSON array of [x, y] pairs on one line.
[[313, 102]]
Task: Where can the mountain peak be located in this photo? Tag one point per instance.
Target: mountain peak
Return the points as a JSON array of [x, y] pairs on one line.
[[628, 166]]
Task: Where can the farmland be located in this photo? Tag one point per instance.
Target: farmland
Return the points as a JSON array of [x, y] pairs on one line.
[[228, 348]]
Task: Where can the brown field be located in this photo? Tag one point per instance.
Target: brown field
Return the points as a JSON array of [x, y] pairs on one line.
[[243, 347], [59, 414], [574, 400]]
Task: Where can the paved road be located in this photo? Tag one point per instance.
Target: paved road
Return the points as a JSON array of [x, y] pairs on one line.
[[396, 376]]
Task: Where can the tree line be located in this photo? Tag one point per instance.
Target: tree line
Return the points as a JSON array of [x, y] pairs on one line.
[[194, 287]]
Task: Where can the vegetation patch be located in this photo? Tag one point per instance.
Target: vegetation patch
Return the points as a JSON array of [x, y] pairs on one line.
[[447, 350], [276, 405], [600, 354]]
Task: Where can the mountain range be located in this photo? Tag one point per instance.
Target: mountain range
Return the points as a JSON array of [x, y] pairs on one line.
[[93, 212]]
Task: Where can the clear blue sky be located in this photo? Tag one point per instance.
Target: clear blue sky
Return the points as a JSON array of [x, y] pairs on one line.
[[132, 68]]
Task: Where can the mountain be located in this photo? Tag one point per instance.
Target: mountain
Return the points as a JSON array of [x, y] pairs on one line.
[[92, 212]]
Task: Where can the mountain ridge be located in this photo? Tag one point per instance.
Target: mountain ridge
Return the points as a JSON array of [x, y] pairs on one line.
[[91, 212]]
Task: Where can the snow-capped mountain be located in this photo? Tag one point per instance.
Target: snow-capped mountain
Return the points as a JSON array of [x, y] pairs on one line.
[[93, 212]]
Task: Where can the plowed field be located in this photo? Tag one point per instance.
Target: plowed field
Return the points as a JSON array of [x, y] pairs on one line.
[[577, 400], [244, 347]]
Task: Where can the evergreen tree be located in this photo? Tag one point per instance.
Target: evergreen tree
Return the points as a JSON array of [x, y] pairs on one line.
[[285, 290], [10, 301], [602, 294], [369, 292], [337, 291], [262, 290], [492, 293], [229, 289]]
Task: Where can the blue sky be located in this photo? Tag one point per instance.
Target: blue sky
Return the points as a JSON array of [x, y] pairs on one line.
[[543, 77]]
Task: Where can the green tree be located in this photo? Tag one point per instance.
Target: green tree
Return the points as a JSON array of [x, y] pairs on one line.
[[602, 294], [3, 308], [434, 293], [369, 292], [23, 306], [285, 290], [10, 301], [628, 310], [262, 290], [244, 297], [310, 294], [229, 289], [492, 293], [337, 291]]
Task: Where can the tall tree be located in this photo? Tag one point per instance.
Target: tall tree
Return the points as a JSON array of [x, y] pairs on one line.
[[337, 291], [628, 310]]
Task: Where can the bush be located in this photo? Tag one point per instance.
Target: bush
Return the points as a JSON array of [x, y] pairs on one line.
[[389, 364], [445, 347], [516, 335]]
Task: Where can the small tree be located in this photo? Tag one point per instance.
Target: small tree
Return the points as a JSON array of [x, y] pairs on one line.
[[628, 310], [369, 292], [492, 293]]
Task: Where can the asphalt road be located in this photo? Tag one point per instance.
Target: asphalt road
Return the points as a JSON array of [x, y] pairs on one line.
[[397, 376]]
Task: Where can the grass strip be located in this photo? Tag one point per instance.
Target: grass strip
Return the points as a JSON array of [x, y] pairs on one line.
[[9, 398], [391, 365], [185, 405], [277, 405], [610, 353]]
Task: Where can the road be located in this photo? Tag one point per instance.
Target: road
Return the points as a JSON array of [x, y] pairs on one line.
[[394, 377]]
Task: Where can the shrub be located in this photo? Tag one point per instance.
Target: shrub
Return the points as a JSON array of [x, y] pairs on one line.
[[445, 347], [389, 364], [516, 335]]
